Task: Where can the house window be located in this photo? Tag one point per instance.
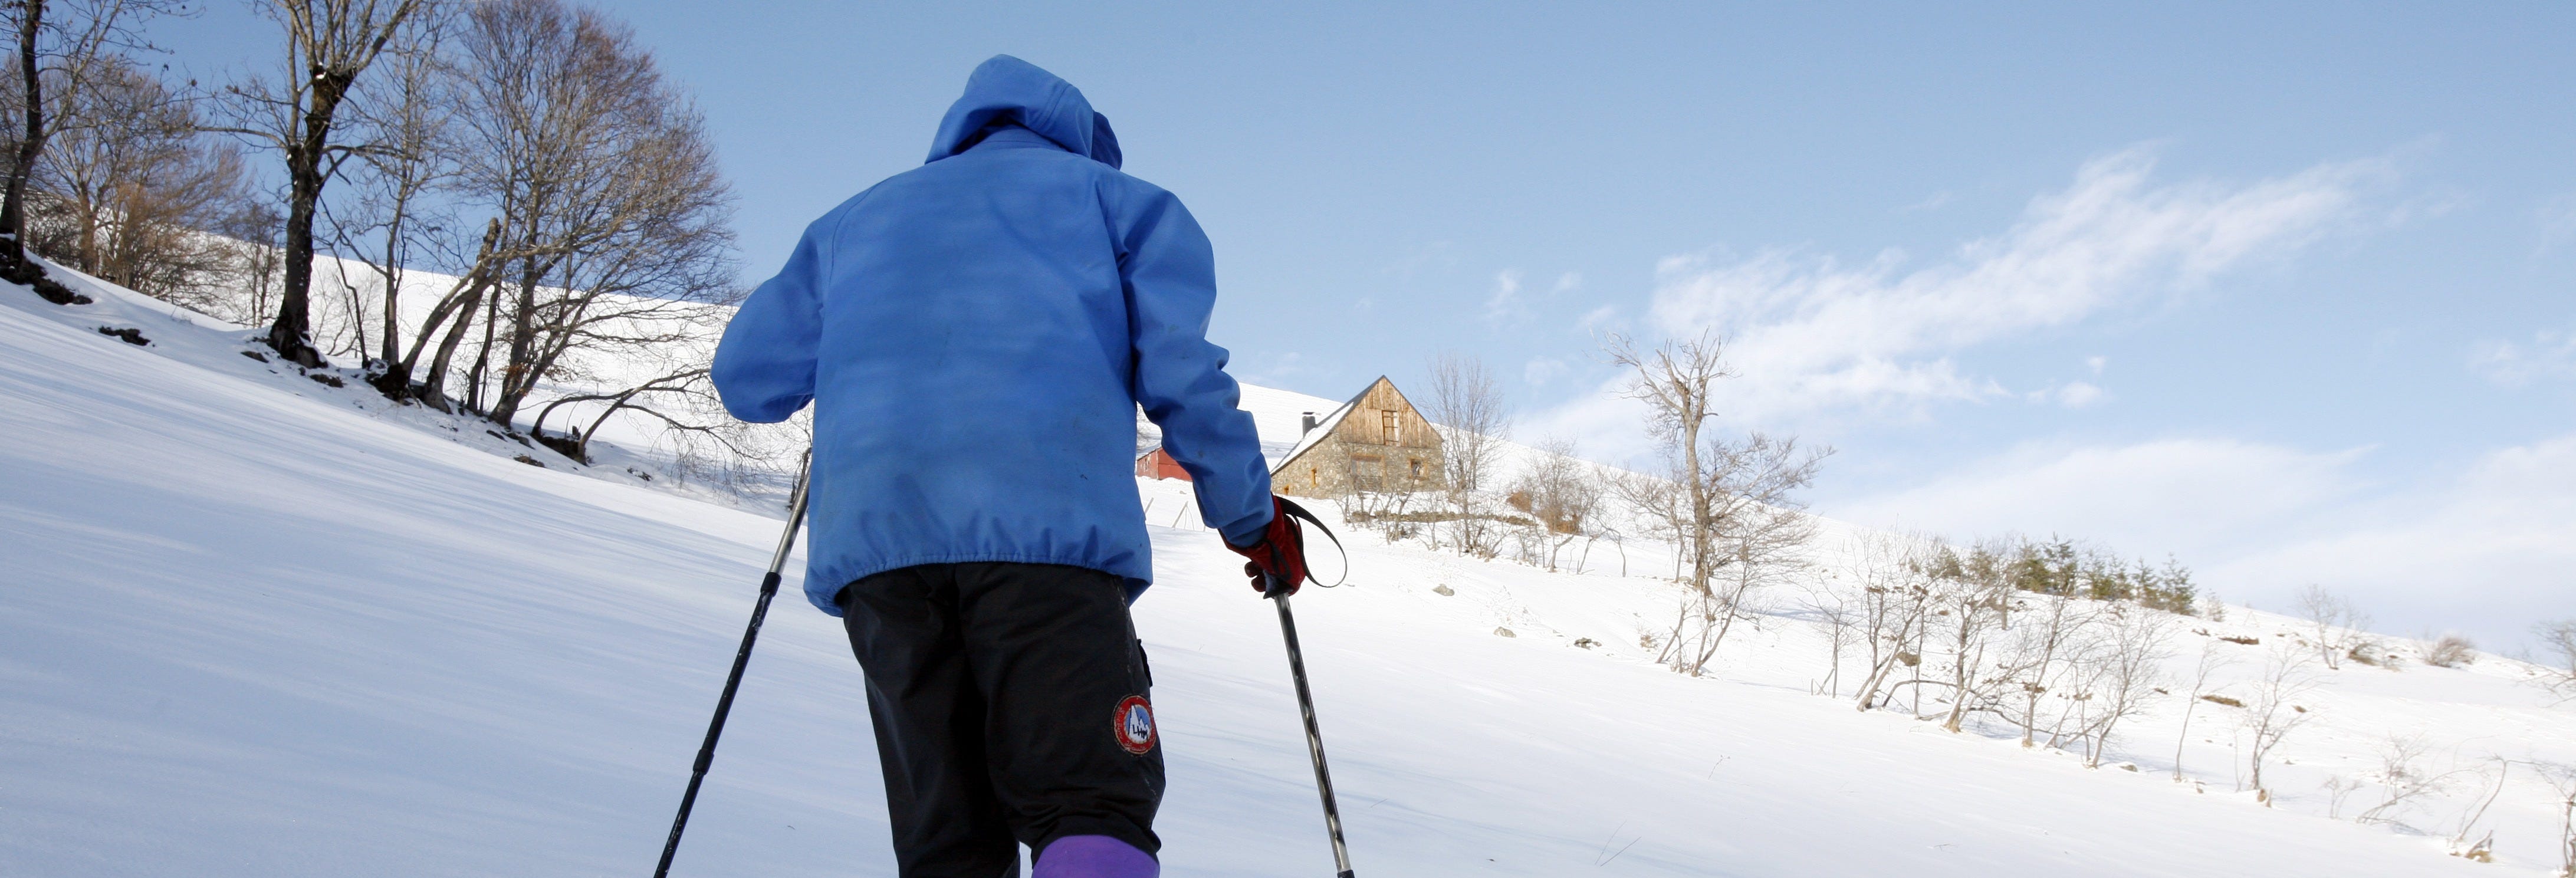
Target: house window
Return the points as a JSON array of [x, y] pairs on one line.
[[1388, 418], [1417, 467]]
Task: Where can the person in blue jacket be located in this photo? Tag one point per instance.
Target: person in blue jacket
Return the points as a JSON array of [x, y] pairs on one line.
[[976, 335]]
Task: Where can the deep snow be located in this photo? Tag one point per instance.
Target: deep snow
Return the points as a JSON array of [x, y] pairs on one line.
[[251, 625]]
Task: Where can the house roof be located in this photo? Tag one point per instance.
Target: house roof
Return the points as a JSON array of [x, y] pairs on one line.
[[1324, 428]]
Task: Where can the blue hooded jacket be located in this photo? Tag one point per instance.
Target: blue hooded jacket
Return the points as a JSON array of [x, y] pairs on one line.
[[976, 334]]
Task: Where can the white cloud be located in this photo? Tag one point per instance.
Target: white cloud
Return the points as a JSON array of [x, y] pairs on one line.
[[2550, 354], [1566, 283], [2490, 553], [2486, 551], [1505, 303], [1811, 332], [1932, 203], [2195, 496], [2076, 394], [1542, 370], [2096, 363]]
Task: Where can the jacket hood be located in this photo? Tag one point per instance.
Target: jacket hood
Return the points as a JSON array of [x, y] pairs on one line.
[[1007, 88]]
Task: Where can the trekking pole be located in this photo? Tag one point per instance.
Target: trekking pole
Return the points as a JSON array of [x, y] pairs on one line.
[[742, 657], [1277, 590]]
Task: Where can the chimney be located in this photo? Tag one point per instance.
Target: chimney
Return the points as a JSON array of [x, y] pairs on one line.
[[1308, 422]]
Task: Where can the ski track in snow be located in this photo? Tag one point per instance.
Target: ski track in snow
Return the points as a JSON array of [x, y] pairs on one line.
[[254, 626]]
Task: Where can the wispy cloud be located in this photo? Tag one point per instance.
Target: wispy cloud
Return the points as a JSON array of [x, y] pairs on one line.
[[1542, 370], [1932, 203], [2550, 353], [1504, 304], [1813, 332], [2196, 496], [2072, 394], [2485, 550]]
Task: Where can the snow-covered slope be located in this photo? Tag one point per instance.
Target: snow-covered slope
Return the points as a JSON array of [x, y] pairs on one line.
[[250, 626]]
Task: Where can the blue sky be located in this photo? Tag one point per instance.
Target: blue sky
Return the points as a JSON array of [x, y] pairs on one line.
[[2287, 291]]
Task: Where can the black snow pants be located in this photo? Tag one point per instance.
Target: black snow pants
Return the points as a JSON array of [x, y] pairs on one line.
[[1009, 706]]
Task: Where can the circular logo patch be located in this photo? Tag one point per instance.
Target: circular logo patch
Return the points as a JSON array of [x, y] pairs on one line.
[[1134, 725]]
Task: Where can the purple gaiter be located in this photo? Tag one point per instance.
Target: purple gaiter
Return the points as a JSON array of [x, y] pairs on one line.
[[1094, 856]]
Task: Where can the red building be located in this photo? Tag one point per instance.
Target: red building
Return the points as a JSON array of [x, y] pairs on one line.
[[1156, 464]]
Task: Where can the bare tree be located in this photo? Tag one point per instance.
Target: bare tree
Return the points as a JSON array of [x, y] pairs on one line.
[[1676, 381], [607, 188], [2272, 714], [1734, 502], [2040, 656], [61, 44], [1895, 600], [1971, 598], [410, 129], [296, 111], [2127, 668], [127, 193], [2337, 623], [1468, 404], [2558, 643], [2211, 661]]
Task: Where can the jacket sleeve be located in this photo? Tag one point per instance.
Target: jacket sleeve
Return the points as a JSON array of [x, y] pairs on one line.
[[1169, 272], [764, 368]]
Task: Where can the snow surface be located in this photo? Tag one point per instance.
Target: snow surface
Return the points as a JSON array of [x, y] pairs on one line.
[[251, 625]]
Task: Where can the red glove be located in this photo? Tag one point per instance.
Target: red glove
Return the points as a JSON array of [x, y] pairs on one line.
[[1279, 555]]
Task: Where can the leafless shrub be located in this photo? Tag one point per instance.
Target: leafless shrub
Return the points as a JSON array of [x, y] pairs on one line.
[[2481, 850], [1558, 492], [2272, 716], [2450, 651], [2402, 779], [2558, 648], [1832, 610], [2339, 788], [2336, 624], [1972, 598], [1894, 599], [2121, 671], [2211, 661], [2561, 780], [2041, 659]]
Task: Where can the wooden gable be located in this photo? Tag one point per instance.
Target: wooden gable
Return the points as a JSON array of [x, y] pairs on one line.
[[1381, 415]]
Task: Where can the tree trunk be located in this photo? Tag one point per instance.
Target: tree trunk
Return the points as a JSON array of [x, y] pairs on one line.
[[459, 303], [291, 334], [13, 205], [433, 389], [519, 375], [483, 355]]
